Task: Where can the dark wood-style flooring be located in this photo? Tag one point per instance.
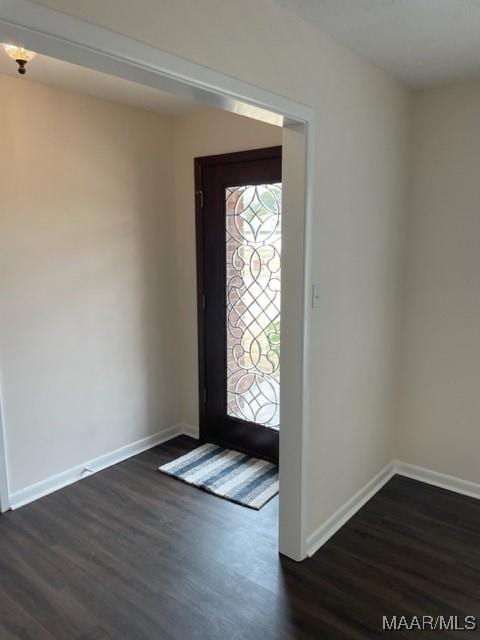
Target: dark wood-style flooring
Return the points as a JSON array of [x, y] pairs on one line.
[[131, 554]]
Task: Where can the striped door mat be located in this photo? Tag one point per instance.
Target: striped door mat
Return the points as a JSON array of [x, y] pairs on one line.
[[229, 474]]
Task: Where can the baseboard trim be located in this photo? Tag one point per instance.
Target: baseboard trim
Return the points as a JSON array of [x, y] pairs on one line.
[[442, 480], [349, 509], [53, 483], [396, 467], [190, 430], [314, 541]]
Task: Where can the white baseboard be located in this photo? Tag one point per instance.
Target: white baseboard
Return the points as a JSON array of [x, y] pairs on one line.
[[190, 430], [53, 483], [319, 537], [314, 541], [442, 480], [350, 508]]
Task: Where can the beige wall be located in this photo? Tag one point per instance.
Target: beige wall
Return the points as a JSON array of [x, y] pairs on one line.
[[98, 336], [87, 278], [362, 119], [439, 401], [358, 245], [201, 134]]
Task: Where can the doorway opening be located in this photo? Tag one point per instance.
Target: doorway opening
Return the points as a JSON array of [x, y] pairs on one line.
[[99, 49]]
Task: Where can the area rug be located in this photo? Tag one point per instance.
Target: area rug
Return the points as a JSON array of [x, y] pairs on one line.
[[229, 474]]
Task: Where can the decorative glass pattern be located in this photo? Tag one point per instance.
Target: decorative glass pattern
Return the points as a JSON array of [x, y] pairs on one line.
[[253, 237]]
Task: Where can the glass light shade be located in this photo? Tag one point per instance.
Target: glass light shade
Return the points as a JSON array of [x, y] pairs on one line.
[[19, 53]]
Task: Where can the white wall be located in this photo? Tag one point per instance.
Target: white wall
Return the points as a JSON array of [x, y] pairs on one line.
[[87, 278], [362, 135], [439, 400], [201, 134], [357, 257], [98, 335]]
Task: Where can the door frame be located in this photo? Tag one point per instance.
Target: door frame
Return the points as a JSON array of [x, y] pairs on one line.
[[250, 155], [4, 490], [56, 34]]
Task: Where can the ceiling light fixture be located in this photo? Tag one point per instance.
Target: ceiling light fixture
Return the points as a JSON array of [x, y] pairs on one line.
[[20, 55]]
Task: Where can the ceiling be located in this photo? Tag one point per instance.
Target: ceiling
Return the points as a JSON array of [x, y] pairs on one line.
[[423, 42], [93, 83]]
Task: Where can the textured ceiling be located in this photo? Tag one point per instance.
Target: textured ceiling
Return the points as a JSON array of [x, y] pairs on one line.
[[423, 42]]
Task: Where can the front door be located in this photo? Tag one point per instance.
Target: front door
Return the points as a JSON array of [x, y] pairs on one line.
[[239, 206]]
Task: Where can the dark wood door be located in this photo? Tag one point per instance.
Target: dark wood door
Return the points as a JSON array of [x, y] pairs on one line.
[[238, 266]]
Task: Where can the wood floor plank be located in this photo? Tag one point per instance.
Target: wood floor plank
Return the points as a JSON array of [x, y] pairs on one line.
[[132, 554]]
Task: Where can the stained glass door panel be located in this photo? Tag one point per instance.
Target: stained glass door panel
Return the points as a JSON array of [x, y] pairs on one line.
[[239, 210], [253, 250]]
